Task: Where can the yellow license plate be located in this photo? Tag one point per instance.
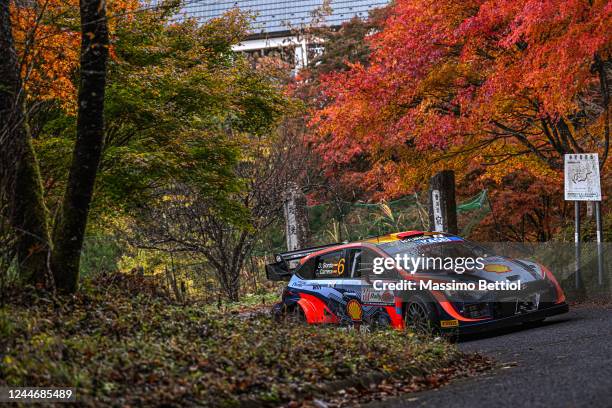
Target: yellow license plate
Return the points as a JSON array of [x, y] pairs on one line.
[[449, 323]]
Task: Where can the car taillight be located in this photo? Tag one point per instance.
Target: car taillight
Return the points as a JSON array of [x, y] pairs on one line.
[[549, 275]]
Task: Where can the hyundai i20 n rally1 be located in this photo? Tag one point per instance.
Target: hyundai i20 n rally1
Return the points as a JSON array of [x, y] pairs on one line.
[[343, 284]]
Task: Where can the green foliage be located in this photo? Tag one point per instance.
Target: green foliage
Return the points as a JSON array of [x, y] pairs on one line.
[[179, 103], [6, 324], [101, 254]]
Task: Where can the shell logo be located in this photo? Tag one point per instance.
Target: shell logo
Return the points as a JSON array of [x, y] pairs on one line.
[[496, 268], [354, 310]]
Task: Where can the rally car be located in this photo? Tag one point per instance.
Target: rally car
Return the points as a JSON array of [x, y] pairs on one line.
[[337, 284]]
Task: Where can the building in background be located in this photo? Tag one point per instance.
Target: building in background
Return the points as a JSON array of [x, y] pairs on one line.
[[277, 22]]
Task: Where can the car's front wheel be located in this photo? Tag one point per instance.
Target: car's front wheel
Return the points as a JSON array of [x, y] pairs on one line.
[[420, 316]]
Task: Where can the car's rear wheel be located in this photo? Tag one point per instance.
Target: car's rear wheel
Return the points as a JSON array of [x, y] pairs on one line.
[[420, 316], [296, 314]]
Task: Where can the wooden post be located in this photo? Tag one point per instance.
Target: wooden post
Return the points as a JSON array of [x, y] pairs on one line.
[[296, 218], [442, 206]]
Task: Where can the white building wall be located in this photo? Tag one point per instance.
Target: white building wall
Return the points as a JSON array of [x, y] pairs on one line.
[[298, 45]]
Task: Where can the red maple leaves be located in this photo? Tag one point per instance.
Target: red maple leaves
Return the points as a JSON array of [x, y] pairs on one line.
[[465, 84]]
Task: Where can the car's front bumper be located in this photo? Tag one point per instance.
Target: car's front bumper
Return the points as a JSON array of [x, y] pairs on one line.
[[492, 324]]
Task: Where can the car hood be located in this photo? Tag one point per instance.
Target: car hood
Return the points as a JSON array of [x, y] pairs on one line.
[[497, 268]]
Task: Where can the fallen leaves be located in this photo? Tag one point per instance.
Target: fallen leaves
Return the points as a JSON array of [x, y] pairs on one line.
[[123, 344]]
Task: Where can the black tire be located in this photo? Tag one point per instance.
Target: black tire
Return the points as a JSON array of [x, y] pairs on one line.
[[420, 315], [296, 314]]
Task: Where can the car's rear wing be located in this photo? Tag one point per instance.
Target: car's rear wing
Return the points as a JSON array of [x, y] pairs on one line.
[[287, 262]]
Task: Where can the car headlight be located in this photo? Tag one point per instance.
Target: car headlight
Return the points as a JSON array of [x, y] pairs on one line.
[[539, 270], [536, 267], [466, 295]]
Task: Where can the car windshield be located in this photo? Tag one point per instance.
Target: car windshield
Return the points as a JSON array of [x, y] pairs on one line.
[[433, 248]]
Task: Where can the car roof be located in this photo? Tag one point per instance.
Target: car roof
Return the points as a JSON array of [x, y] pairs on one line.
[[374, 241]]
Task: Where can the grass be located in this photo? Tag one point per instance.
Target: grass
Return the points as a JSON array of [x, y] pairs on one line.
[[119, 342]]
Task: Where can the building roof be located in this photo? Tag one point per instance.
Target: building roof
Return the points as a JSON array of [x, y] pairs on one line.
[[281, 15]]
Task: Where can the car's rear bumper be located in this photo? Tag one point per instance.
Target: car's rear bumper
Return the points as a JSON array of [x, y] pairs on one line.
[[485, 325]]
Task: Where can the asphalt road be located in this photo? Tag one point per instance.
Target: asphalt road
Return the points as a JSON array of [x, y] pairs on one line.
[[565, 362]]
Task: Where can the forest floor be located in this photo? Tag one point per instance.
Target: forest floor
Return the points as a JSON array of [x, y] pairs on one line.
[[121, 342]]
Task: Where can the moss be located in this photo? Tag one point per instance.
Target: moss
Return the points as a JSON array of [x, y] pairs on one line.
[[31, 216]]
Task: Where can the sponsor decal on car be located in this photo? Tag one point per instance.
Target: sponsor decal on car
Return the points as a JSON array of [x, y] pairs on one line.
[[376, 296], [354, 310], [449, 323], [496, 268]]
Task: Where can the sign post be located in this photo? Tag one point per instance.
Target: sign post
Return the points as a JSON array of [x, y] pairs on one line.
[[437, 211], [582, 183], [577, 243], [600, 259], [442, 206], [296, 219]]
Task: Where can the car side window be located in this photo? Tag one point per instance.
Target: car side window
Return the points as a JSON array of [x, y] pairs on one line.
[[354, 263], [306, 271], [330, 265], [366, 264], [367, 268]]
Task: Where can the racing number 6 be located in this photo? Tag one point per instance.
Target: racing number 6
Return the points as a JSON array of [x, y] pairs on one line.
[[341, 266]]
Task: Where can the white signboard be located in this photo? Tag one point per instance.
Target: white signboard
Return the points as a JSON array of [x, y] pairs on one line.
[[582, 177], [437, 211]]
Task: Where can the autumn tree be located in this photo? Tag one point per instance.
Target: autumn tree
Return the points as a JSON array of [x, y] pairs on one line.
[[28, 68], [182, 220], [499, 86], [36, 254], [21, 186], [69, 229], [199, 142], [182, 111]]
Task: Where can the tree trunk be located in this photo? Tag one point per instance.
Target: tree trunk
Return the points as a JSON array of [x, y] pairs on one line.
[[229, 278], [296, 218], [19, 171], [232, 287], [31, 221], [70, 227]]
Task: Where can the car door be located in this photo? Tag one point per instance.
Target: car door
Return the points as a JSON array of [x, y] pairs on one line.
[[327, 283], [356, 284], [351, 283]]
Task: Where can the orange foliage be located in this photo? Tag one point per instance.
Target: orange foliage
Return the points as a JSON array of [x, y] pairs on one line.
[[47, 37], [489, 85]]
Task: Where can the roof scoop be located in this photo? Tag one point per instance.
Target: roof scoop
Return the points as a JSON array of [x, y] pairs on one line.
[[408, 234]]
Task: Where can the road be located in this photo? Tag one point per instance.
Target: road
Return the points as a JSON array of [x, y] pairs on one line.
[[566, 362]]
